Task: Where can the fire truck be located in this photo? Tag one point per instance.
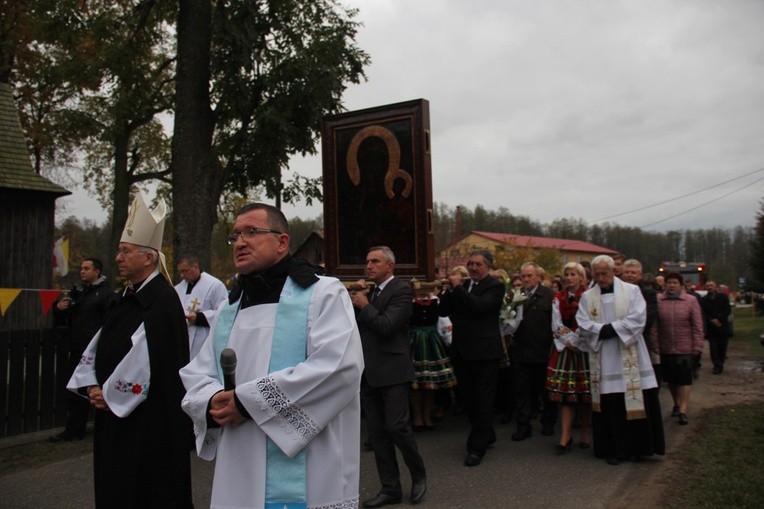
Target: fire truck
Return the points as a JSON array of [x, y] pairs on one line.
[[695, 272]]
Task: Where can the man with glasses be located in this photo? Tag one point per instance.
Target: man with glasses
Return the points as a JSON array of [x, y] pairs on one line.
[[130, 374], [288, 433], [201, 294]]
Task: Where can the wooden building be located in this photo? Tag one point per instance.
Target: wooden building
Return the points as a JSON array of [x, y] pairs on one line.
[[27, 207], [312, 248]]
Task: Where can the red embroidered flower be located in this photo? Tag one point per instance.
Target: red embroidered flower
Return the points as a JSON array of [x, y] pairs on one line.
[[137, 389]]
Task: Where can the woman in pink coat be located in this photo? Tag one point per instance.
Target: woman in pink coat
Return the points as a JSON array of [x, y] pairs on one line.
[[680, 336]]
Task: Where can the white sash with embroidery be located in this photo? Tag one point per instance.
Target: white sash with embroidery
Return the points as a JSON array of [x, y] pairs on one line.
[[635, 405], [128, 386]]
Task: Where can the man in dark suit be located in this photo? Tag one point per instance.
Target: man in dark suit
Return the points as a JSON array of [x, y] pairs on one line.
[[383, 321], [530, 348], [473, 306], [716, 313]]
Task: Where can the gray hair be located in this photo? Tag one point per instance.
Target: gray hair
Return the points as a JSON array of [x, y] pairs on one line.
[[389, 255], [631, 262], [150, 251], [536, 267], [603, 259]]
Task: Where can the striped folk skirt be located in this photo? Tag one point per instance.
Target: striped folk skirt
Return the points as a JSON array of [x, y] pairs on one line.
[[432, 366]]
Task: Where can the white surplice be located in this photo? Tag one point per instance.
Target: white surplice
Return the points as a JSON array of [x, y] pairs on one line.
[[629, 329], [314, 405], [204, 298]]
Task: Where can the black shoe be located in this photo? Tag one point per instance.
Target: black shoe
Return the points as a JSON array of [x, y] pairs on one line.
[[382, 499], [675, 411], [717, 370], [472, 460], [521, 434], [418, 489], [583, 445], [63, 437], [547, 431], [612, 460], [683, 419]]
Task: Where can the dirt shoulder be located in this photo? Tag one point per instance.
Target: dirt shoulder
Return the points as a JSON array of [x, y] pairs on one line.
[[738, 384]]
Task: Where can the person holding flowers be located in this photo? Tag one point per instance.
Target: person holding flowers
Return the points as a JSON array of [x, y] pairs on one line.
[[529, 350]]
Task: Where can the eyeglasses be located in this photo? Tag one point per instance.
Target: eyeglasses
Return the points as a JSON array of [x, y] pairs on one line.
[[249, 233]]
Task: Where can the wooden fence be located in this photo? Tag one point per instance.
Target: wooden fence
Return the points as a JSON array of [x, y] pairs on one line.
[[33, 375]]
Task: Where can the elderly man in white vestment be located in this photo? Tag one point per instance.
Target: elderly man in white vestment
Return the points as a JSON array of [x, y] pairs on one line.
[[288, 435], [200, 294], [626, 418]]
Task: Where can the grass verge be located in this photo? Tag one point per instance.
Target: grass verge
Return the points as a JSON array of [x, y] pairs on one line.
[[721, 465]]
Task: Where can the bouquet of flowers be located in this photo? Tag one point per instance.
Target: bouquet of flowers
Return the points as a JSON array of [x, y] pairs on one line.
[[513, 298]]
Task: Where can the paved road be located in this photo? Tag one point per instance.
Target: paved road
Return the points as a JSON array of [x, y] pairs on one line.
[[524, 474], [513, 474]]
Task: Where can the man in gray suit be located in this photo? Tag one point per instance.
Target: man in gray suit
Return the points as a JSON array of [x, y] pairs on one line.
[[383, 321]]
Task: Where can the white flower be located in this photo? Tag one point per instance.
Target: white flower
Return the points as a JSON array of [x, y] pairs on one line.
[[513, 298]]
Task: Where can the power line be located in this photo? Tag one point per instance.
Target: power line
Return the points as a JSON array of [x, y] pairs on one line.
[[704, 204], [682, 196]]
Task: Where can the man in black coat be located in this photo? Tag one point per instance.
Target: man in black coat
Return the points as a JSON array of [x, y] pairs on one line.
[[716, 312], [383, 321], [473, 306], [82, 310], [129, 372], [632, 273], [531, 344]]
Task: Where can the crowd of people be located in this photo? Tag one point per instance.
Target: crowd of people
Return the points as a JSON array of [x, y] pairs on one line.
[[272, 378]]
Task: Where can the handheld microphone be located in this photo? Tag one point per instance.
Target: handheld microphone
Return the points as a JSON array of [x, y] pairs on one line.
[[228, 367]]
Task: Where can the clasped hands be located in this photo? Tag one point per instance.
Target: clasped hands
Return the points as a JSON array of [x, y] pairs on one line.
[[223, 409], [95, 395]]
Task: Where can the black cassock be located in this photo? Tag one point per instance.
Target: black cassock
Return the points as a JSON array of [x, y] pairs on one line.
[[142, 460]]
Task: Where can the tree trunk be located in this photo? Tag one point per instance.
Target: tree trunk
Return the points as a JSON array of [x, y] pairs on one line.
[[120, 199], [196, 179]]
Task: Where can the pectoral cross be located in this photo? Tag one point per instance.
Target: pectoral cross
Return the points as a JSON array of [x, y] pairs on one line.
[[193, 305]]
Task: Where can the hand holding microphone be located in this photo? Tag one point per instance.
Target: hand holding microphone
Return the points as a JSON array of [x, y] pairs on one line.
[[228, 367], [223, 405]]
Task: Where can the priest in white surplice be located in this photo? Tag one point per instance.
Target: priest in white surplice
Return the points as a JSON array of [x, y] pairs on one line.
[[289, 434], [200, 295], [626, 418]]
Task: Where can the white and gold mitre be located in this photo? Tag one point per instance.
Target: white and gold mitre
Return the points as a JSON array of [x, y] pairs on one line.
[[145, 227]]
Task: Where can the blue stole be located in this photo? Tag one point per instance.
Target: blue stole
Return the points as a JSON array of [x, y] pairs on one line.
[[285, 478]]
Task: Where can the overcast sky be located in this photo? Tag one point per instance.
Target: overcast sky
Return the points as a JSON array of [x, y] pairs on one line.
[[575, 109]]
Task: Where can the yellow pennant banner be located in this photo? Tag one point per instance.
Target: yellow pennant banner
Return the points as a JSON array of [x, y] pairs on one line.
[[7, 296]]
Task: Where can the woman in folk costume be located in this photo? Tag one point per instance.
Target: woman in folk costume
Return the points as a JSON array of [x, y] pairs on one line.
[[129, 372], [680, 337], [626, 419], [568, 373], [432, 367]]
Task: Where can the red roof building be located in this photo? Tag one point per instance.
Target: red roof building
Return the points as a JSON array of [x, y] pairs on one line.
[[570, 250]]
